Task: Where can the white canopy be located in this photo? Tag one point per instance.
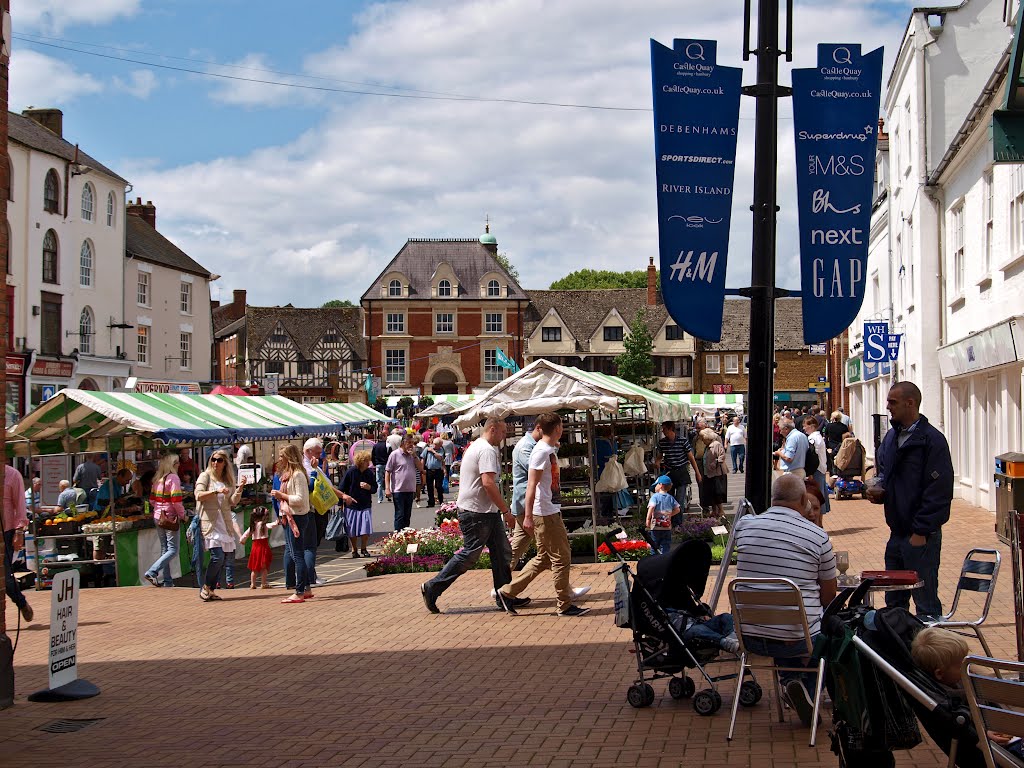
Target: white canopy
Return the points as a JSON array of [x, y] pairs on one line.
[[544, 386]]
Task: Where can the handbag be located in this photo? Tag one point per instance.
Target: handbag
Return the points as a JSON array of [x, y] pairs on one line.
[[168, 521], [336, 526], [322, 497]]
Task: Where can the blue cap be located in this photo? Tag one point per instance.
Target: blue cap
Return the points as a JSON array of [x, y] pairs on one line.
[[663, 480]]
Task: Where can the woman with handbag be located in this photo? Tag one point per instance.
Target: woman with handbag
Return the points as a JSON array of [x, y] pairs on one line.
[[168, 512], [295, 492], [216, 494]]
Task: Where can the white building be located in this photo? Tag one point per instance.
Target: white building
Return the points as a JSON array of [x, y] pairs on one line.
[[946, 260], [66, 221]]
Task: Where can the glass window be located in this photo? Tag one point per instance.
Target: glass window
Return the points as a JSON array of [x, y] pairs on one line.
[[87, 203], [142, 294], [51, 192], [445, 322], [110, 209], [493, 288], [673, 366], [492, 372], [50, 257], [186, 350], [746, 365], [142, 344], [275, 366], [186, 298], [85, 262], [986, 197], [305, 367], [673, 333], [394, 366], [444, 288], [51, 328], [732, 363], [613, 333], [712, 364], [86, 328], [494, 322], [551, 334], [395, 322], [395, 288], [956, 226]]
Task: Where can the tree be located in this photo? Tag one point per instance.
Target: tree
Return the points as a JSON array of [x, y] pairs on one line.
[[636, 364], [337, 303], [508, 266], [589, 279], [405, 405], [425, 402]]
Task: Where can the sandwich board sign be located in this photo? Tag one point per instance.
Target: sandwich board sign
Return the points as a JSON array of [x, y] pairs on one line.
[[63, 647]]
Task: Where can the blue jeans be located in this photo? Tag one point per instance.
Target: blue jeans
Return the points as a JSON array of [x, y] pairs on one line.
[[309, 544], [13, 591], [299, 553], [785, 653], [900, 556], [289, 550], [215, 568], [168, 551], [403, 508], [478, 531], [229, 568], [662, 539], [712, 630], [738, 454], [380, 483], [822, 481]]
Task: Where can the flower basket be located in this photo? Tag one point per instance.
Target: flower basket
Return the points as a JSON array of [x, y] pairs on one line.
[[630, 549]]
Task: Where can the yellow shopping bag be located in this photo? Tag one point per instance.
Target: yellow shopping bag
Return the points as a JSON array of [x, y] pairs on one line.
[[322, 497]]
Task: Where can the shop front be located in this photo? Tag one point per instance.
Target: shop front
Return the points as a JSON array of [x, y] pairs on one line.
[[868, 385], [135, 384], [101, 374], [17, 367], [46, 378]]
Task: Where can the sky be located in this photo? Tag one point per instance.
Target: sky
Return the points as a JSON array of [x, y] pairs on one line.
[[303, 192]]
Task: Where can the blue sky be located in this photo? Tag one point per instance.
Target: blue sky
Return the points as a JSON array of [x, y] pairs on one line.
[[322, 189]]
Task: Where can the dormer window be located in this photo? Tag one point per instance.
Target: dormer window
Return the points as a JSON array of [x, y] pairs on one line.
[[444, 288], [395, 288], [493, 288], [613, 333]]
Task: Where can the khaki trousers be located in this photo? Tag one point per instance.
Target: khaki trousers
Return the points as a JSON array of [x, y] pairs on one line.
[[552, 552], [521, 540]]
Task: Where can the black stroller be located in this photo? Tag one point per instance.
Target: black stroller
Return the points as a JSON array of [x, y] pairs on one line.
[[879, 695], [671, 582]]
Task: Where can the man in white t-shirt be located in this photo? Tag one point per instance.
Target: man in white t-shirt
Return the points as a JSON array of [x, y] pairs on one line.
[[736, 439], [481, 509], [543, 517]]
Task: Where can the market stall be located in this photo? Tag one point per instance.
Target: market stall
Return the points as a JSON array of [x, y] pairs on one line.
[[76, 421], [707, 404]]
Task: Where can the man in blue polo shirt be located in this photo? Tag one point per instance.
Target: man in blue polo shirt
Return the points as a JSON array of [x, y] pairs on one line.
[[793, 453]]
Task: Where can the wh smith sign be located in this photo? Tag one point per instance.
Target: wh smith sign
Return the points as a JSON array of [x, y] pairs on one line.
[[835, 121], [696, 113]]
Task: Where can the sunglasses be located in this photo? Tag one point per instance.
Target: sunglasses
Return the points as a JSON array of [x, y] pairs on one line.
[[217, 460]]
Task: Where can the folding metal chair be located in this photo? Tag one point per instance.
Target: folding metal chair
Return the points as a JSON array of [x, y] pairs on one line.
[[776, 603], [975, 576], [992, 699]]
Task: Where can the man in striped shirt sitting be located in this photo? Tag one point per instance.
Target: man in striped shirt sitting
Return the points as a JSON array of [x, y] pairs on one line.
[[780, 543]]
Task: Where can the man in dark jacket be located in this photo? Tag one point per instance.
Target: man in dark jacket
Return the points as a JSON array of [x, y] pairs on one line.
[[915, 483], [379, 457]]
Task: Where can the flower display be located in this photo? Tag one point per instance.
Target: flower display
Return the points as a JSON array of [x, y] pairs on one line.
[[630, 549]]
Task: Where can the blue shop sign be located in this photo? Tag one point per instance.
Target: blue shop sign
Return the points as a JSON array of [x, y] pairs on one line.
[[835, 119], [696, 114]]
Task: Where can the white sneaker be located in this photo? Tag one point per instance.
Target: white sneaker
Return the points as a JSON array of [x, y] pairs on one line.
[[580, 591], [319, 582]]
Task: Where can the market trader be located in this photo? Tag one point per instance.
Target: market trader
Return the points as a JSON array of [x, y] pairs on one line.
[[677, 456]]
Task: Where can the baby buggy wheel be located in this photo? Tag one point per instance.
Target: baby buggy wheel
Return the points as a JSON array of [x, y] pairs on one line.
[[681, 687], [707, 702], [750, 693], [640, 695]]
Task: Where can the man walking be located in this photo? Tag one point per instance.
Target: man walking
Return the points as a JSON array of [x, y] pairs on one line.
[[15, 520], [433, 464], [793, 453], [677, 456], [915, 483], [736, 438], [520, 476], [379, 457], [543, 517], [481, 509], [400, 480]]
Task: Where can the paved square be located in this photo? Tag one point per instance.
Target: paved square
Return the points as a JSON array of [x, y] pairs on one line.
[[364, 676]]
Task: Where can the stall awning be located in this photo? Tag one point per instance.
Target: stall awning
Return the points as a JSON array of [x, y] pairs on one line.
[[709, 403], [351, 414], [449, 404], [544, 386]]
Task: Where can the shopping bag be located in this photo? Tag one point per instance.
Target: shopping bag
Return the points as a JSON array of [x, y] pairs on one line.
[[613, 479], [336, 525], [621, 597], [322, 497], [633, 464], [444, 485], [622, 500]]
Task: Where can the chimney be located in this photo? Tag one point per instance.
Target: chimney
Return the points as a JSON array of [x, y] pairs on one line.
[[51, 119], [214, 303], [239, 296], [652, 284], [145, 212]]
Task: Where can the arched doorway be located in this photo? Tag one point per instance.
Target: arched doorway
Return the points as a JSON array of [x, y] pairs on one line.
[[445, 382], [88, 385]]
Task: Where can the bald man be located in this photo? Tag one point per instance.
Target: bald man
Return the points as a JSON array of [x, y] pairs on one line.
[[915, 483]]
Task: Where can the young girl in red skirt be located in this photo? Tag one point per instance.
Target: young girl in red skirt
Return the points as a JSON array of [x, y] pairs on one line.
[[260, 555]]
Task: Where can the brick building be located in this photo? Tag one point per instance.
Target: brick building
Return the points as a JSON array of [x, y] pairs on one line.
[[724, 363], [436, 316]]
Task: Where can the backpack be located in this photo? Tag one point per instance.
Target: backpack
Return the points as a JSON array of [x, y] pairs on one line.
[[811, 461]]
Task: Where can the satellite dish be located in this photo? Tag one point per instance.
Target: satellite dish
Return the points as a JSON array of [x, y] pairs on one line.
[[6, 31]]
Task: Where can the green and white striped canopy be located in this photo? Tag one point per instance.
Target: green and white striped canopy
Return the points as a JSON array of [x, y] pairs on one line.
[[351, 414], [709, 403]]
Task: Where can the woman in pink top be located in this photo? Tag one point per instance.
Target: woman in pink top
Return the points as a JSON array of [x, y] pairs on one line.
[[165, 498]]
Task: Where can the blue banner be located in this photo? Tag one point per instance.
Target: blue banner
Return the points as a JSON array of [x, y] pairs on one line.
[[835, 122], [876, 341], [696, 114]]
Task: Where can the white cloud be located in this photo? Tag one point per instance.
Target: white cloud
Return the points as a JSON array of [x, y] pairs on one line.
[[239, 87], [565, 189], [140, 83], [42, 81], [54, 16]]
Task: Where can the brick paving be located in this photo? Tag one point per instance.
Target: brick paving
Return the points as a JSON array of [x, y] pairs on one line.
[[364, 676]]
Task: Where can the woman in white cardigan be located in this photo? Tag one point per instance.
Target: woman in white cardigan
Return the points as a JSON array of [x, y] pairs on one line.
[[294, 495]]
